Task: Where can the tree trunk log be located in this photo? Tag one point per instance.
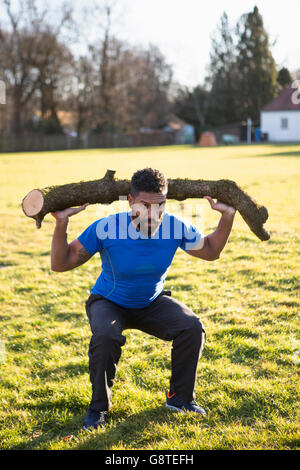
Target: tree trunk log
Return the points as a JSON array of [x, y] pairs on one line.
[[40, 202]]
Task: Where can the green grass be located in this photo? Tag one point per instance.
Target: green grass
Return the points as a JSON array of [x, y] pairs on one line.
[[248, 300]]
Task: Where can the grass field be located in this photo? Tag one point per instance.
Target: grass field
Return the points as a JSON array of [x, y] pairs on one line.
[[248, 300]]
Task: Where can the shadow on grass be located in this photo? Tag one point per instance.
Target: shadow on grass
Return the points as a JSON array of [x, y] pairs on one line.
[[44, 433], [68, 316], [284, 284], [137, 430], [244, 354], [6, 264], [295, 153], [45, 253], [128, 430], [278, 154], [70, 370], [121, 426]]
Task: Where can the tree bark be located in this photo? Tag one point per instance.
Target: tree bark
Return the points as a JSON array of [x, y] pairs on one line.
[[40, 202]]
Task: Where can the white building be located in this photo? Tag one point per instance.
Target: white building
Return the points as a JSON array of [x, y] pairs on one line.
[[280, 118]]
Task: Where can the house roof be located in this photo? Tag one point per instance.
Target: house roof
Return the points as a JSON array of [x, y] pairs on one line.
[[287, 100], [175, 122]]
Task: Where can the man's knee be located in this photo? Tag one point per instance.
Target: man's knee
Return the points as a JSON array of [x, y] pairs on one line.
[[105, 324], [107, 336], [195, 329], [195, 324]]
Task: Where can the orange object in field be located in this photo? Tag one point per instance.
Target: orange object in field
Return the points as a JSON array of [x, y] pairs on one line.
[[207, 139]]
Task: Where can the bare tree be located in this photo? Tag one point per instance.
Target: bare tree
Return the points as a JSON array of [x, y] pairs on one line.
[[23, 51], [133, 90], [114, 86], [54, 66], [80, 99]]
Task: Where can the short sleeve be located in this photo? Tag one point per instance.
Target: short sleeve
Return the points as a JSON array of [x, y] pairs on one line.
[[191, 236], [89, 239]]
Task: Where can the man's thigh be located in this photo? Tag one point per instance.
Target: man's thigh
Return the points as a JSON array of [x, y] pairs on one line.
[[105, 317], [165, 318]]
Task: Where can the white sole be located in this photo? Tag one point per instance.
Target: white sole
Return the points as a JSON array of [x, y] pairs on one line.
[[184, 411], [174, 408]]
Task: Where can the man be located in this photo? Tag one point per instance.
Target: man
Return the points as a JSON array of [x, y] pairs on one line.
[[137, 248]]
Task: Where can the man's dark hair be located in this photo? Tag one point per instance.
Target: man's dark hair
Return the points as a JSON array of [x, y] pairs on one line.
[[149, 180]]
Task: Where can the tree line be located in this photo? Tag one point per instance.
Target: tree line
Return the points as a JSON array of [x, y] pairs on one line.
[[116, 87], [113, 87], [242, 76]]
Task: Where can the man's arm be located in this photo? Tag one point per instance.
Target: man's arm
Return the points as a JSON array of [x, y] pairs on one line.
[[212, 245], [203, 250], [66, 256]]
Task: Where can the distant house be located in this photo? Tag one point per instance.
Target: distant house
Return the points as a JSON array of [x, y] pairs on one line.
[[280, 118], [185, 133]]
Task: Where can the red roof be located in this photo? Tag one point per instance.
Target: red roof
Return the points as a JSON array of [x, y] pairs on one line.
[[287, 100]]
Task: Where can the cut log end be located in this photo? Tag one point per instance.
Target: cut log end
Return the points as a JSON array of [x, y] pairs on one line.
[[33, 203]]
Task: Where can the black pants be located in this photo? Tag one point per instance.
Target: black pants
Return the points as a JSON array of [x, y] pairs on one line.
[[165, 318]]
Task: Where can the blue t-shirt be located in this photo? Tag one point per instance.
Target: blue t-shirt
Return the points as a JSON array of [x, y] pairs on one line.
[[134, 266]]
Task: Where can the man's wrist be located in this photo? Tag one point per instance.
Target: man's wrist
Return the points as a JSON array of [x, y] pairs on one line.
[[229, 214], [62, 222]]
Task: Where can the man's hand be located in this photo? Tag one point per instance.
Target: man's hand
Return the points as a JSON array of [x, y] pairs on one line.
[[68, 212], [220, 206]]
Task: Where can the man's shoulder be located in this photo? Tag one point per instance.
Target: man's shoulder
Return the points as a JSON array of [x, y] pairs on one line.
[[111, 222]]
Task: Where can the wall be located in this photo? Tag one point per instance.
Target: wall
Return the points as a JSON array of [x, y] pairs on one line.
[[271, 123], [31, 143]]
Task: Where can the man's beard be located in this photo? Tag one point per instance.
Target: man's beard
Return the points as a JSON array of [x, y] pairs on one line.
[[145, 228]]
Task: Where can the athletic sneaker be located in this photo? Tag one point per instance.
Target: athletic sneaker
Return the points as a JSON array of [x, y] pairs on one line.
[[173, 402], [94, 419]]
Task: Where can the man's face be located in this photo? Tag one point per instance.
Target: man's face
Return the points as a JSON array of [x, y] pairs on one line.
[[147, 210]]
